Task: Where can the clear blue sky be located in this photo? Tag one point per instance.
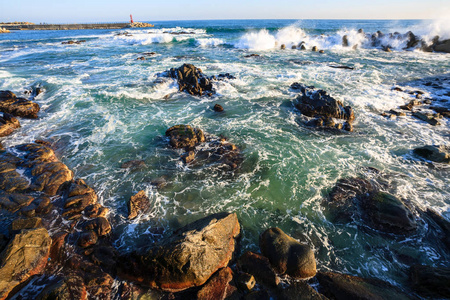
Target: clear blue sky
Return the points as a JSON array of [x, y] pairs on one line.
[[63, 11]]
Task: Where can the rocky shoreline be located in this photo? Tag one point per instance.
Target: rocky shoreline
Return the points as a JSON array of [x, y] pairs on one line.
[[57, 240]]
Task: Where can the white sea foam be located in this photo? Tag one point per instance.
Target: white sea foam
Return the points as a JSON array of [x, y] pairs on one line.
[[208, 42], [261, 40]]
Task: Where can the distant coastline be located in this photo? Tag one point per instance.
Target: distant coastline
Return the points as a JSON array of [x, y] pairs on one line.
[[30, 26]]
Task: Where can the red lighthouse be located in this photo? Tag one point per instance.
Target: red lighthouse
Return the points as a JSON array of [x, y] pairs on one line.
[[131, 19]]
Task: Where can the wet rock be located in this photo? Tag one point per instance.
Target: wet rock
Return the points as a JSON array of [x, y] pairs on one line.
[[317, 103], [302, 47], [321, 51], [138, 204], [443, 46], [184, 136], [252, 55], [18, 107], [218, 108], [343, 287], [387, 213], [57, 290], [287, 255], [72, 42], [258, 266], [133, 164], [434, 153], [29, 223], [87, 239], [187, 258], [14, 202], [413, 40], [216, 287], [397, 113], [431, 281], [77, 197], [245, 281], [345, 41], [283, 47], [442, 223], [25, 255], [141, 58], [341, 67], [8, 124], [299, 290], [99, 225], [188, 157], [192, 80], [293, 47], [95, 210], [429, 118], [314, 49]]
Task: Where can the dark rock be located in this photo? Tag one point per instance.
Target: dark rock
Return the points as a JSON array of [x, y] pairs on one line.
[[25, 255], [218, 108], [184, 136], [322, 51], [77, 196], [258, 266], [442, 223], [312, 102], [299, 290], [434, 153], [87, 239], [18, 107], [293, 47], [302, 47], [138, 204], [216, 287], [343, 287], [283, 47], [141, 58], [429, 118], [258, 295], [413, 41], [99, 225], [287, 255], [95, 210], [345, 41], [387, 213], [8, 124], [191, 79], [245, 281], [252, 55], [431, 282], [398, 89], [133, 164], [443, 46], [314, 49], [186, 259], [188, 157], [341, 67]]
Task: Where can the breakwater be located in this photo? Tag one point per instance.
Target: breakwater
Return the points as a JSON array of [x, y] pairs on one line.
[[66, 26]]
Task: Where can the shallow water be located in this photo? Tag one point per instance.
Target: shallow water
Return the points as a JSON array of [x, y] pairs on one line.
[[102, 107]]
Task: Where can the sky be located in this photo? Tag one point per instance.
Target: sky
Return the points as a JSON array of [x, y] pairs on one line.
[[71, 11]]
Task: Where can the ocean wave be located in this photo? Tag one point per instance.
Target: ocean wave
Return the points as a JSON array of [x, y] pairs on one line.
[[205, 42]]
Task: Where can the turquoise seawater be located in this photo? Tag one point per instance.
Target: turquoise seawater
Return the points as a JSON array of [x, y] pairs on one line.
[[102, 107]]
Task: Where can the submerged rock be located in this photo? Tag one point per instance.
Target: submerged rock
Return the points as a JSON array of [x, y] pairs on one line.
[[287, 255], [25, 255], [187, 258], [343, 287], [434, 153], [218, 108], [359, 197], [431, 281], [19, 107]]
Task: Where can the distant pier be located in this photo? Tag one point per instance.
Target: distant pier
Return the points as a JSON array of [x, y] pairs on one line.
[[65, 26]]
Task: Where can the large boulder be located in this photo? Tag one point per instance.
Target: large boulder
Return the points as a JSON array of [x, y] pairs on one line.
[[357, 197], [343, 287], [191, 79], [433, 282], [258, 266], [185, 136], [313, 102], [8, 124], [188, 257], [138, 203], [434, 153], [19, 107], [26, 255], [443, 46], [287, 255]]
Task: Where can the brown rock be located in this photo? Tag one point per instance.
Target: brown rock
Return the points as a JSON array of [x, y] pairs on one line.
[[8, 124], [88, 239], [14, 202], [133, 164], [258, 266], [18, 107], [30, 223], [246, 282], [95, 210], [191, 79], [99, 225], [188, 157], [218, 108], [299, 290], [216, 287], [25, 255], [286, 255], [182, 136], [138, 204], [188, 258]]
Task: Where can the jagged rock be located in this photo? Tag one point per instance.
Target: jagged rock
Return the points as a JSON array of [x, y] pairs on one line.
[[25, 255], [245, 281], [317, 103], [14, 202], [18, 107], [8, 124], [258, 266], [77, 197], [429, 118], [87, 239], [138, 203], [187, 258], [299, 290], [343, 287], [192, 80], [431, 282], [95, 210], [442, 223], [434, 153], [345, 41], [216, 287], [184, 136], [99, 225], [287, 255]]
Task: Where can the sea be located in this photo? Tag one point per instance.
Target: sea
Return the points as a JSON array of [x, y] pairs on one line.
[[101, 107]]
